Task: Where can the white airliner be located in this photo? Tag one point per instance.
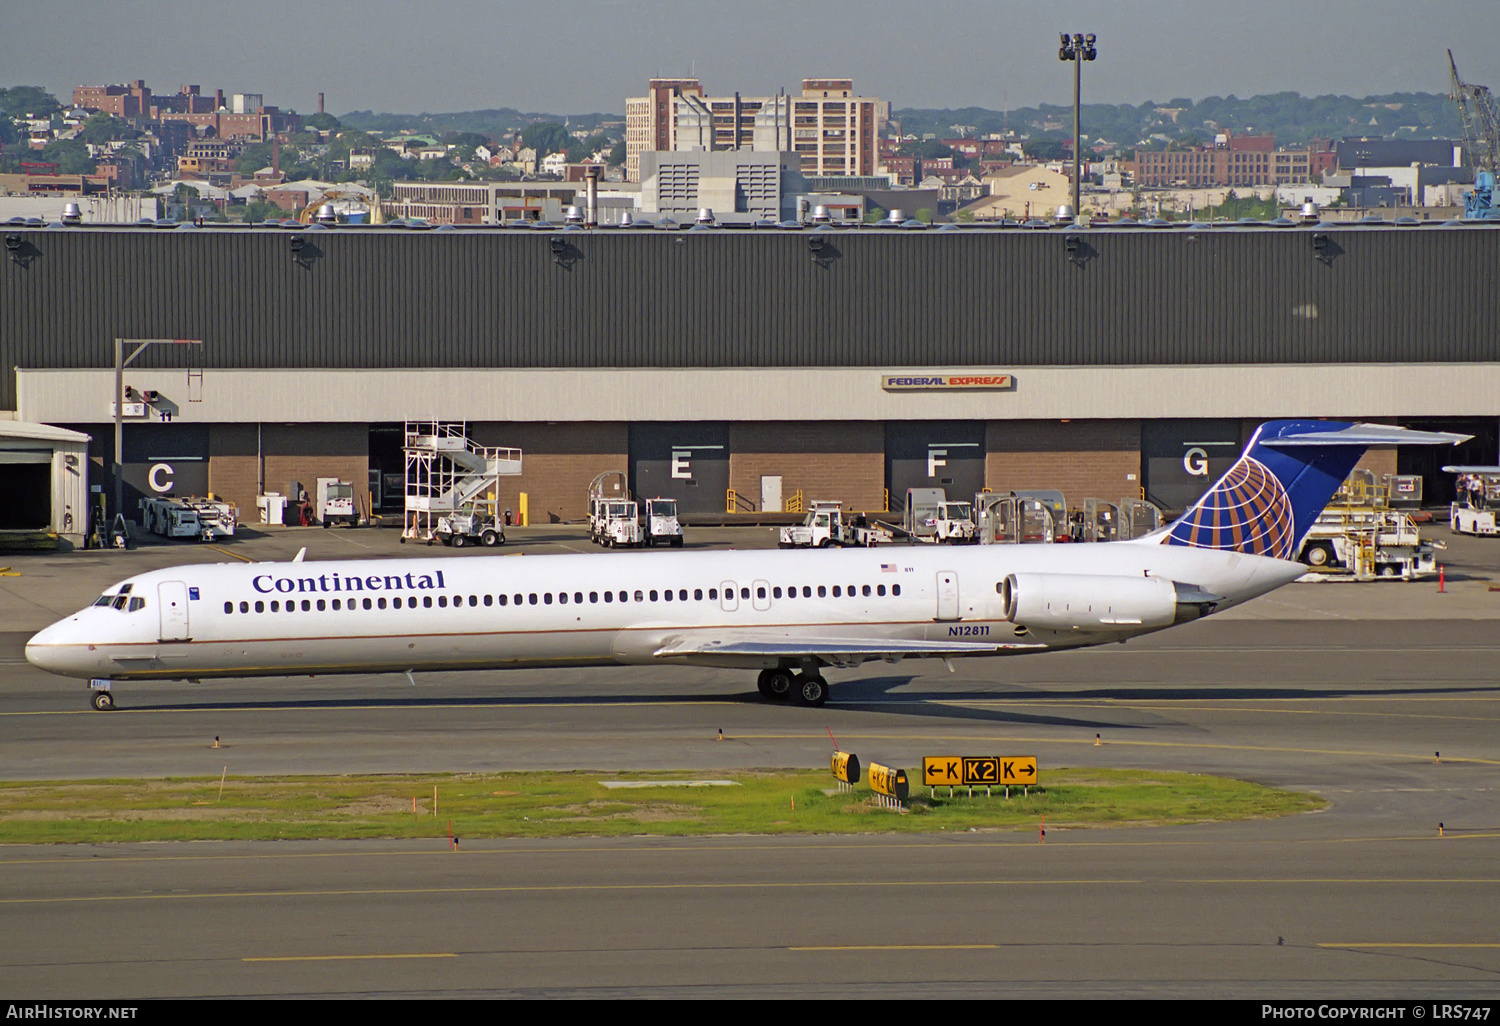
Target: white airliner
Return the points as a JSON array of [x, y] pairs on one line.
[[788, 614]]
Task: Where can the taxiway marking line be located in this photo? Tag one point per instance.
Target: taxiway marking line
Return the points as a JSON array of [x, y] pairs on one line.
[[896, 947], [226, 552], [343, 958], [1403, 944], [744, 885], [1016, 839]]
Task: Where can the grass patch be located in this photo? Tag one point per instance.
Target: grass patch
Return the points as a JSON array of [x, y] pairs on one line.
[[576, 804]]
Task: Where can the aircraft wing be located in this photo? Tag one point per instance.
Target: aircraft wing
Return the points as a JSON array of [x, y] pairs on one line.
[[838, 651]]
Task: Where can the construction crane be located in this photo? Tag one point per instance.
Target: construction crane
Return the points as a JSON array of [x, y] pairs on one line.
[[309, 212], [1481, 117]]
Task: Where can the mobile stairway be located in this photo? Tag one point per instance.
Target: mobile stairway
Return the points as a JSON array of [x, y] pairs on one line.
[[446, 473]]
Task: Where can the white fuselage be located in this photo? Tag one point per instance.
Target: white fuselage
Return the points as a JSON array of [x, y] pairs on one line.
[[264, 619]]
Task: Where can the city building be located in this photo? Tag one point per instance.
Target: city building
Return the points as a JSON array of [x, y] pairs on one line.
[[832, 130], [476, 203], [1233, 160]]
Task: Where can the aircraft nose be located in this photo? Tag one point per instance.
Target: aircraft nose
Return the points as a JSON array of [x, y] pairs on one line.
[[48, 650]]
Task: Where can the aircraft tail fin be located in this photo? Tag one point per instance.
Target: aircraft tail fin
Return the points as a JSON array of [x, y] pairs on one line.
[[1265, 504]]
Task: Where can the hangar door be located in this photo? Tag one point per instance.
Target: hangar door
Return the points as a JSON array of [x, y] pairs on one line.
[[1183, 458], [687, 461], [26, 484], [164, 459], [946, 454]]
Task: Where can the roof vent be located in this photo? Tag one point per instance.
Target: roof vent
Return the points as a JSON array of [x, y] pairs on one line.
[[1065, 214], [71, 214], [705, 215], [821, 216], [573, 215]]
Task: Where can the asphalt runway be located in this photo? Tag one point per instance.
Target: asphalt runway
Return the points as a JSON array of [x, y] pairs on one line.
[[1347, 691]]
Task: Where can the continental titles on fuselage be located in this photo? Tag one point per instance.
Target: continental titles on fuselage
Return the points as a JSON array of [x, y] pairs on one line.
[[268, 583]]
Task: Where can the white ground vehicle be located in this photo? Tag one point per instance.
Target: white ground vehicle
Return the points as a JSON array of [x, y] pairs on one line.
[[469, 525], [204, 519], [931, 517], [662, 526], [217, 519], [1368, 542], [336, 503], [1473, 512], [827, 525], [616, 523]]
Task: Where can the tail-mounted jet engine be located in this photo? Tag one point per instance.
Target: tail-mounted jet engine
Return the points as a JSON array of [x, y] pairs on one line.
[[1098, 602]]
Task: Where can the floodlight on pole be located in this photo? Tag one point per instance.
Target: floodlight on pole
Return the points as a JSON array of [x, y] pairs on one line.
[[1078, 47]]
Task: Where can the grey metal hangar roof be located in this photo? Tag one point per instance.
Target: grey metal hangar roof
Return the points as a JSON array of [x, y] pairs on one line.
[[774, 297]]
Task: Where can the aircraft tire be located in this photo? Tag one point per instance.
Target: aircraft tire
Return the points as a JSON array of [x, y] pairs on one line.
[[775, 685], [810, 689], [1318, 554], [103, 701]]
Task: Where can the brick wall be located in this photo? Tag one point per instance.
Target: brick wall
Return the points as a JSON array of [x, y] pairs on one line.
[[843, 460], [558, 462], [233, 467], [1081, 458]]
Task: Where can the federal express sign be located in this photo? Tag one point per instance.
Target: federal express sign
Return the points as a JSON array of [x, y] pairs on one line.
[[916, 381]]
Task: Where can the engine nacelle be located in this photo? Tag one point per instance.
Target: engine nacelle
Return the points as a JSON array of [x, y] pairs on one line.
[[1098, 602]]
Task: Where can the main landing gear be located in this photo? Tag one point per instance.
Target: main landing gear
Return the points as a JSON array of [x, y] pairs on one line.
[[781, 684]]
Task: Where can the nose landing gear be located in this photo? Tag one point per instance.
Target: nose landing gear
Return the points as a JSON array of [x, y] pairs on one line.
[[103, 701]]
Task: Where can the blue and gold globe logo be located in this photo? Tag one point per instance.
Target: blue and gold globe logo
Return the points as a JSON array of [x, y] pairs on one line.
[[1247, 511]]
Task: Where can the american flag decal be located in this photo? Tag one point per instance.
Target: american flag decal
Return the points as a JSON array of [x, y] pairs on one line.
[[887, 568]]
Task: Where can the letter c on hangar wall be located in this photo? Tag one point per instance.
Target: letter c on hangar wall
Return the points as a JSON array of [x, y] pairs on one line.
[[160, 478]]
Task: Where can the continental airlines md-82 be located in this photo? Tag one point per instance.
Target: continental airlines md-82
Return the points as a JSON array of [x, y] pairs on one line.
[[786, 614]]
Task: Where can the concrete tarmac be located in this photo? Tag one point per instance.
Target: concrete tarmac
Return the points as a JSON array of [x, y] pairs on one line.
[[1380, 697]]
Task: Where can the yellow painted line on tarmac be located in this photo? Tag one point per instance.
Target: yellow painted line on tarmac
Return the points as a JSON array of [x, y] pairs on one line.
[[784, 885], [1405, 944], [1018, 838], [895, 947], [226, 552], [1037, 742], [746, 885], [1187, 705], [344, 958]]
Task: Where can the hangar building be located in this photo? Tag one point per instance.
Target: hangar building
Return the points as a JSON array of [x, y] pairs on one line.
[[839, 364]]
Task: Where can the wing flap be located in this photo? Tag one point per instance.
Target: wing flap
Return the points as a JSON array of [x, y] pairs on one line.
[[835, 649]]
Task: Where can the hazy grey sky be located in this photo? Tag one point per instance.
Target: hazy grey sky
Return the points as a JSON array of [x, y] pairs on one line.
[[576, 56]]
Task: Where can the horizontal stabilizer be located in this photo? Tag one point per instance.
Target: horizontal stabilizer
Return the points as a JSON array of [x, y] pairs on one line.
[[1365, 435]]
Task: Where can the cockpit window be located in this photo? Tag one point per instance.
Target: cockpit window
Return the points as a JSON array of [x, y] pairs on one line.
[[120, 600], [137, 603], [104, 600], [125, 589]]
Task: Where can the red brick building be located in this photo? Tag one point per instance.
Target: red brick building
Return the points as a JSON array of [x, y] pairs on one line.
[[1235, 160]]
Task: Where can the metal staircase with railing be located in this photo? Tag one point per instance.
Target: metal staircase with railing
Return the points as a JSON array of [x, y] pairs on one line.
[[447, 473]]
